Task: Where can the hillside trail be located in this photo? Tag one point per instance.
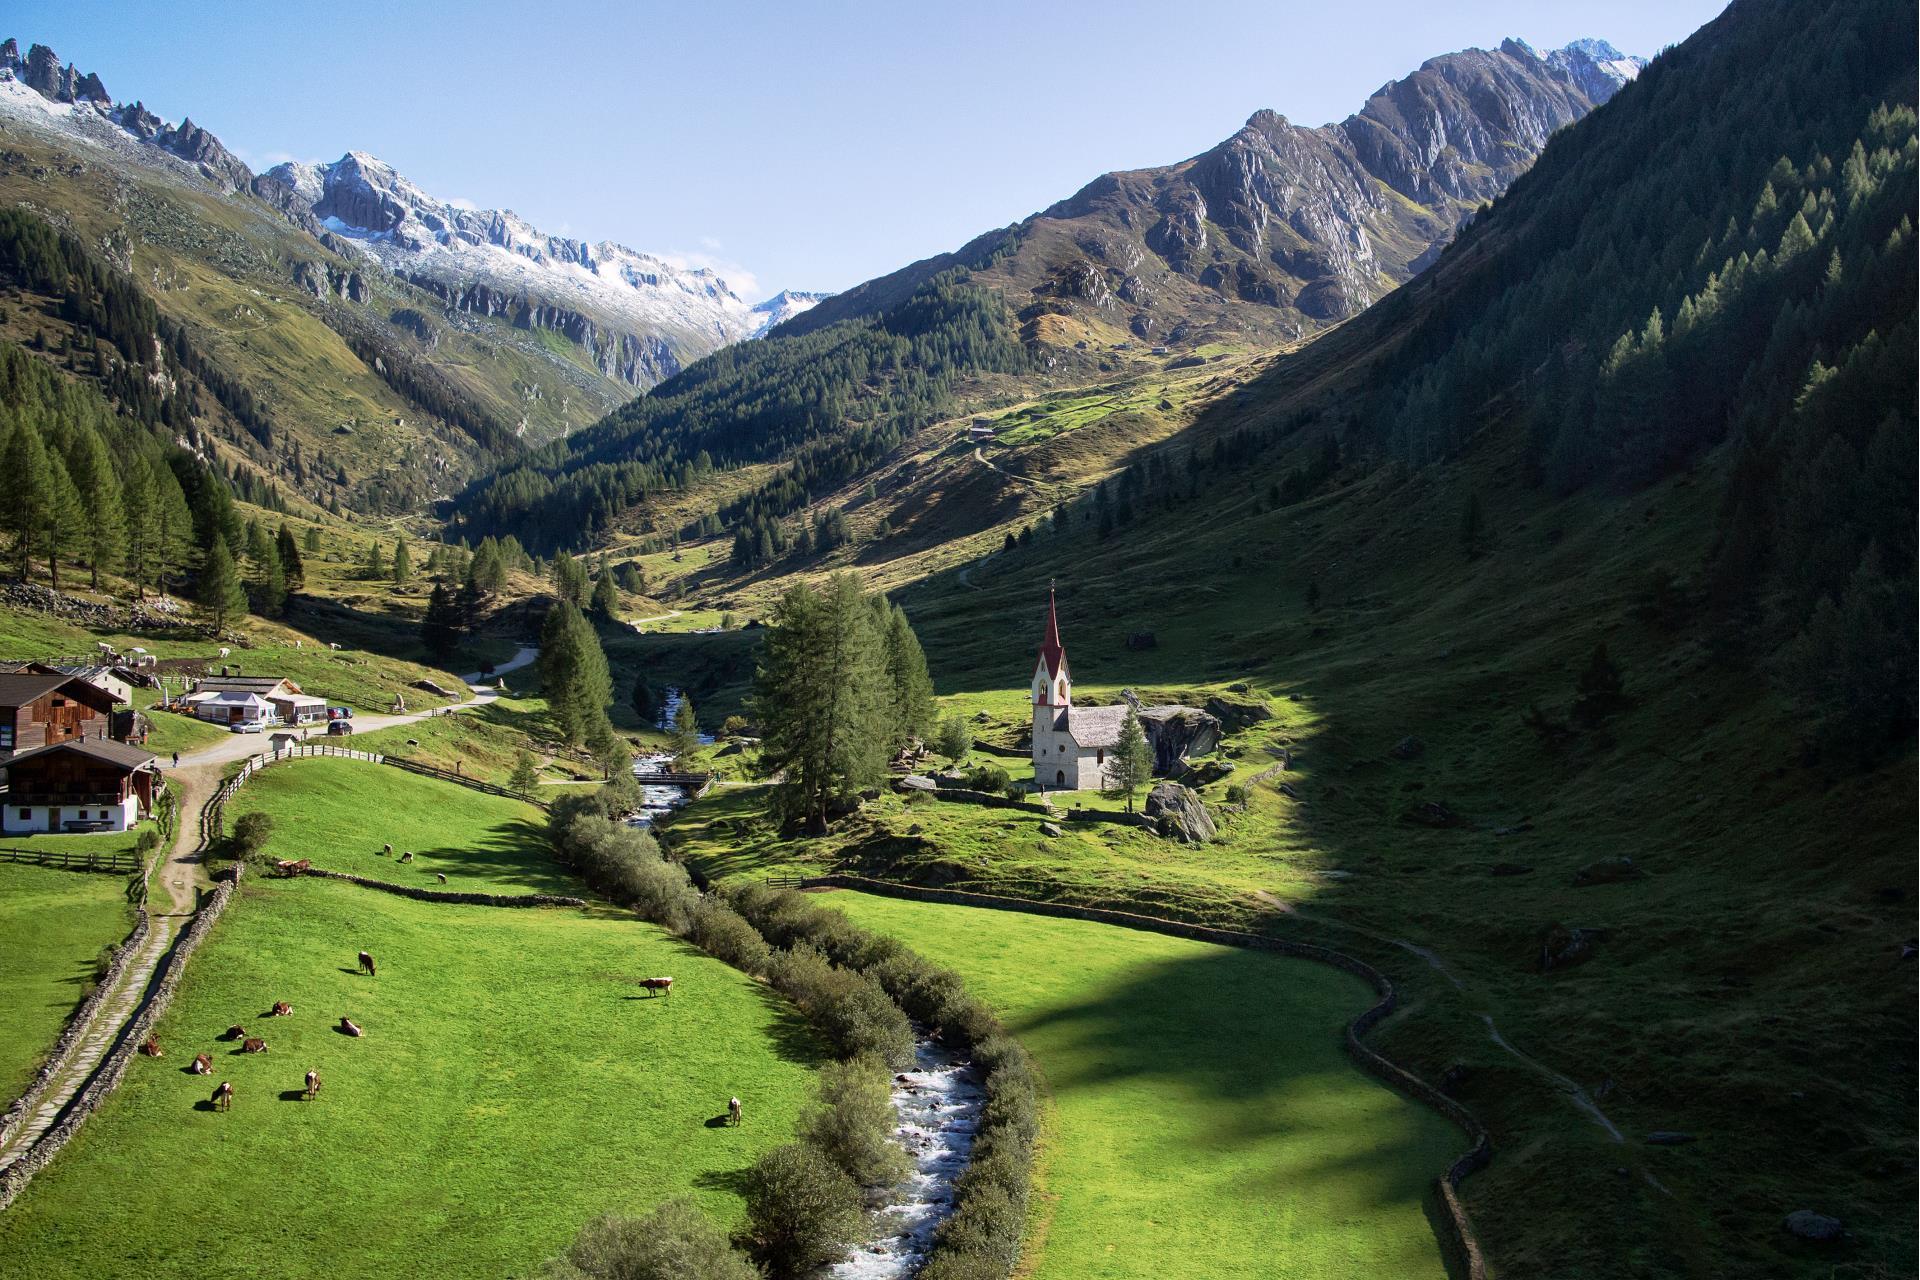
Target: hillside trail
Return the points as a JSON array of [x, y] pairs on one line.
[[184, 877]]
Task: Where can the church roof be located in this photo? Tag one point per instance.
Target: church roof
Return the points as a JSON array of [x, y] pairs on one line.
[[1096, 726], [1052, 652]]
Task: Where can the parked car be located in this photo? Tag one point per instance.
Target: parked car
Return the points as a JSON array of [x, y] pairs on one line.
[[339, 729], [248, 726]]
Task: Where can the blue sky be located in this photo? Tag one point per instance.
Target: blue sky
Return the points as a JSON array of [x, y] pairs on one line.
[[794, 145]]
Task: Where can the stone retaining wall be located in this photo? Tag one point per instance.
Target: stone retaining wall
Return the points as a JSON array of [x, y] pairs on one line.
[[70, 1034], [114, 1066], [1464, 1246], [456, 896]]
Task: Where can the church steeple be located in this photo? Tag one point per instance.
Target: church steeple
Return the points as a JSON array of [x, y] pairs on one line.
[[1052, 652]]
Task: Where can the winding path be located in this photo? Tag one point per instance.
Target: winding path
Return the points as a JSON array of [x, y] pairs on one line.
[[183, 876]]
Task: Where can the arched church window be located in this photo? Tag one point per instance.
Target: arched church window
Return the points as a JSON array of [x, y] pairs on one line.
[[1060, 777]]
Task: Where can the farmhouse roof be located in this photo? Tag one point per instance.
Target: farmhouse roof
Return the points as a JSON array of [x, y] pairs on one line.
[[243, 684], [1096, 726], [118, 754], [17, 689]]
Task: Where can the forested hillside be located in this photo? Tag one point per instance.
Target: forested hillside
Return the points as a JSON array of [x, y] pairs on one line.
[[825, 405]]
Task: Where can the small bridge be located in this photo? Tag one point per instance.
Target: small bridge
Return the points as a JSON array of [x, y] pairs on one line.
[[694, 782]]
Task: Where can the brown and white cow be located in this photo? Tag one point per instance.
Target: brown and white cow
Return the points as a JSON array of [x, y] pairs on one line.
[[254, 1044], [151, 1046], [366, 965], [733, 1111], [202, 1064], [351, 1027], [651, 985], [313, 1084], [223, 1096], [280, 1009]]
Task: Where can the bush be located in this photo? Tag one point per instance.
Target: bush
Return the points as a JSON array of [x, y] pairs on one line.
[[801, 1209], [990, 778], [674, 1242], [733, 726], [248, 842], [854, 1121], [719, 930], [1236, 794], [146, 842], [850, 1009]]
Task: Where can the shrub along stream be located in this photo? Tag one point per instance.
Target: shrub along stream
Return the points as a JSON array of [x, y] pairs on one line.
[[864, 993]]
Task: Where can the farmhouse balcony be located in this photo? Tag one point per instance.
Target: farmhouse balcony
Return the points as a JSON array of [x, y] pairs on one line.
[[64, 799]]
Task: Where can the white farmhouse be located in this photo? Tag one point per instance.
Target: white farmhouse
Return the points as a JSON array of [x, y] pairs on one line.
[[1070, 744]]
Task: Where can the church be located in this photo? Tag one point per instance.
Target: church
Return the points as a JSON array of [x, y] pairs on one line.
[[1071, 745]]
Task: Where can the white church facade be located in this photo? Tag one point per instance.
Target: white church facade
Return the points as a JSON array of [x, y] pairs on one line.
[[1072, 746]]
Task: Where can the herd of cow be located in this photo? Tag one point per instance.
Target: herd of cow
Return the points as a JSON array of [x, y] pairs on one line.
[[202, 1063]]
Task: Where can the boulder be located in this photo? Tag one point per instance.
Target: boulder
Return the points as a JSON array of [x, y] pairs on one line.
[[1563, 947], [1238, 713], [431, 687], [916, 782], [1051, 829], [1432, 814], [1408, 748], [1817, 1227], [1606, 871], [1175, 733], [1177, 813], [1202, 772]]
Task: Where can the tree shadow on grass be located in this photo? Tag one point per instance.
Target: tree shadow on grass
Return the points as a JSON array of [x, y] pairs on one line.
[[514, 851], [732, 1180], [793, 1040]]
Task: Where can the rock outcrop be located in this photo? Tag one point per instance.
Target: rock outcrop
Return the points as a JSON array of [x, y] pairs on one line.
[[1177, 813], [1175, 733]]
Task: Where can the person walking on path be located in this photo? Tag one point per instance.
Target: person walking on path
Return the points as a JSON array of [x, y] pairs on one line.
[[176, 759]]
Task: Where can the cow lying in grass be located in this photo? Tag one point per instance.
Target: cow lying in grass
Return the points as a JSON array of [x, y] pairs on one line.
[[151, 1046], [254, 1044], [350, 1027], [202, 1064]]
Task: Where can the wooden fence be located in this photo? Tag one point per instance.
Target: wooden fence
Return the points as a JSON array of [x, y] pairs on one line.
[[448, 775], [122, 863]]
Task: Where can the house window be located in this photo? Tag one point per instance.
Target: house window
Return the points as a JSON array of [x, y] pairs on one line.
[[6, 737], [1100, 756], [25, 814]]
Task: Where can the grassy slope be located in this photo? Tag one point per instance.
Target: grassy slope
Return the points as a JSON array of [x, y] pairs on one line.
[[53, 926], [1203, 1119], [340, 812], [511, 1084]]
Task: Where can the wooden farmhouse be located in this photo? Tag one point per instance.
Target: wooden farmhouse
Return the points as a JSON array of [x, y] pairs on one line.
[[41, 710], [80, 784]]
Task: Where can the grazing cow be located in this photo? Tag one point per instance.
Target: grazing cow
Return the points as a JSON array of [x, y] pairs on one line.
[[254, 1044], [733, 1112], [441, 876], [281, 1009], [407, 856], [293, 866], [386, 848], [151, 1046], [202, 1064], [313, 1084], [236, 1032], [351, 1027], [223, 1096], [366, 965], [651, 985]]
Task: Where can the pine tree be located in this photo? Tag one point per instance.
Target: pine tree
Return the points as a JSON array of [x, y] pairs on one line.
[[313, 540], [376, 566], [259, 545], [686, 729], [172, 528], [28, 484], [1131, 766], [102, 504], [141, 516], [290, 562], [402, 562], [526, 772], [440, 629], [907, 673], [573, 673], [273, 591], [64, 522], [633, 578], [823, 699], [220, 594], [606, 600]]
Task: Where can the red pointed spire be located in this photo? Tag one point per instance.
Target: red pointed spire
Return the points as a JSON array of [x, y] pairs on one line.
[[1050, 648]]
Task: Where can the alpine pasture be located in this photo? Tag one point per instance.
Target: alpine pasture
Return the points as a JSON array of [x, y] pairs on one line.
[[513, 1080], [1203, 1119], [55, 926]]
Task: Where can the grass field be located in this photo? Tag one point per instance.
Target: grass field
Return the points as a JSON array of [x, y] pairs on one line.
[[511, 1084], [53, 927], [1203, 1118], [340, 813]]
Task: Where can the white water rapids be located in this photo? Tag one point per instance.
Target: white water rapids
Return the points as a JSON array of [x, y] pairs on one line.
[[656, 800], [938, 1106]]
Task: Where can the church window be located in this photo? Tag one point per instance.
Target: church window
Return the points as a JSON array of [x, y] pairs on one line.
[[1060, 777], [1100, 756], [1063, 748]]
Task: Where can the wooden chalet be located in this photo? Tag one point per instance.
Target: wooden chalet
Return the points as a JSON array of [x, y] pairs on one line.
[[42, 710], [81, 784]]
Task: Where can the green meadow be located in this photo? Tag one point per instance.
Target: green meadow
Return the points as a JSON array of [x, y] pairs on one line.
[[54, 925], [1202, 1117]]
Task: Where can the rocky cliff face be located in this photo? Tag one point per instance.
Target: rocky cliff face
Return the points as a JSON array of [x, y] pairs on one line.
[[637, 318], [1280, 228]]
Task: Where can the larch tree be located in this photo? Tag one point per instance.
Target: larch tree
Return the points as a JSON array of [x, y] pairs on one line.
[[102, 505], [402, 562], [220, 593], [1132, 764], [573, 673]]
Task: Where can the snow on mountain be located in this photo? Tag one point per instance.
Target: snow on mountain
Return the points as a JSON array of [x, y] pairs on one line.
[[782, 307], [1596, 66], [636, 317]]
